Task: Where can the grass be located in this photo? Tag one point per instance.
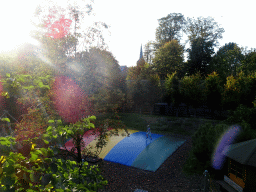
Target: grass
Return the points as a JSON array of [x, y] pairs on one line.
[[133, 121], [164, 124]]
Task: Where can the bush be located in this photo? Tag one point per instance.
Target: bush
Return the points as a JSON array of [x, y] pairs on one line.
[[203, 145], [204, 142], [246, 133], [242, 114]]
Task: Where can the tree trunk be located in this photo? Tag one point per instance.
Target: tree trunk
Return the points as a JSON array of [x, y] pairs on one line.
[[78, 147]]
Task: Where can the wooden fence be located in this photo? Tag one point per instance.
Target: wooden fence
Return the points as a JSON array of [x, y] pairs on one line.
[[179, 111]]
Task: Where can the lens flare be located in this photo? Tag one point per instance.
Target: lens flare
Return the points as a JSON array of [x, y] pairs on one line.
[[226, 140], [69, 100], [2, 99]]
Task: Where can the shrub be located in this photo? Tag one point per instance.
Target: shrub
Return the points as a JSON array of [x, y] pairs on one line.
[[203, 145], [26, 168], [242, 114], [246, 133]]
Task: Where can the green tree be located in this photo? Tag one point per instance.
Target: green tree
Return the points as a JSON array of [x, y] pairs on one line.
[[149, 51], [138, 71], [248, 64], [247, 88], [170, 28], [144, 92], [26, 168], [199, 56], [143, 86], [205, 28], [96, 68], [133, 73], [203, 35], [192, 89], [239, 90], [227, 61], [213, 90], [172, 89], [60, 41], [168, 59], [101, 77]]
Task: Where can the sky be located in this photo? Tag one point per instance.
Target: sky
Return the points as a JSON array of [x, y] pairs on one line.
[[133, 23]]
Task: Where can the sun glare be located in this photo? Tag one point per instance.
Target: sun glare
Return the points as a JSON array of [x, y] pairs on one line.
[[16, 25]]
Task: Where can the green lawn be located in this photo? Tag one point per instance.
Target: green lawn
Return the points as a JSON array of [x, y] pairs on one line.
[[164, 124]]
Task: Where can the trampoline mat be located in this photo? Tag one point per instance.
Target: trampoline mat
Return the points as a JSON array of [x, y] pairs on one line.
[[135, 150]]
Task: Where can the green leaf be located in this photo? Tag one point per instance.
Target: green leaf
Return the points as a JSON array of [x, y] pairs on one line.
[[9, 170], [32, 178], [38, 152], [8, 181], [6, 119], [46, 179], [8, 75], [59, 121], [30, 87], [40, 84], [27, 76], [92, 117], [51, 121], [46, 142], [44, 151], [4, 94], [49, 128], [21, 79], [30, 190], [33, 157], [66, 175], [54, 167]]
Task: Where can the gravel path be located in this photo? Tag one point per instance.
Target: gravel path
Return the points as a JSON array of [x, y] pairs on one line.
[[169, 176]]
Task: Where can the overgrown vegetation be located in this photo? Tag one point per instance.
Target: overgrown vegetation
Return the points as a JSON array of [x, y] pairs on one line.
[[205, 141], [52, 106]]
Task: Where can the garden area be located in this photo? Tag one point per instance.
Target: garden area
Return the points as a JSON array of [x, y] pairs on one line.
[[52, 93], [31, 158], [184, 169]]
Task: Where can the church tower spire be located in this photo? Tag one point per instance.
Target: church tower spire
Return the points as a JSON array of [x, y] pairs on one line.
[[141, 61], [141, 53]]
